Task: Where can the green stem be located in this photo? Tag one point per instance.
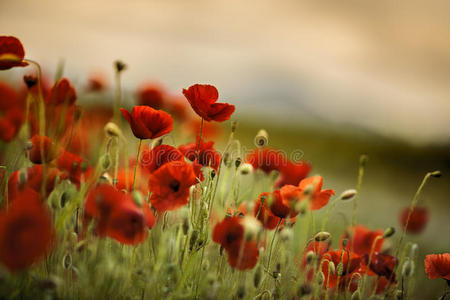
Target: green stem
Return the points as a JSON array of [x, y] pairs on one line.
[[200, 137], [137, 162], [271, 243]]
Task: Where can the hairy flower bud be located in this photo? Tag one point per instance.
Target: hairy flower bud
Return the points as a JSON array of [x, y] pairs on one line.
[[389, 232], [106, 161], [408, 268], [320, 278], [111, 129], [237, 162], [322, 236], [348, 194], [245, 168]]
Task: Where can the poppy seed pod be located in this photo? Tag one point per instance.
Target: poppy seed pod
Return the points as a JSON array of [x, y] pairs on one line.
[[261, 138], [322, 236], [30, 80], [390, 231], [348, 194]]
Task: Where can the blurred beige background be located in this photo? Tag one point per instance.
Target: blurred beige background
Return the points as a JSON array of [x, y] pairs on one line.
[[384, 65]]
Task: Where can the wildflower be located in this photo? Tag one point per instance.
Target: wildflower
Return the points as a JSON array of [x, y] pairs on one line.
[[285, 201], [229, 233], [364, 239], [62, 93], [148, 123], [152, 159], [264, 214], [206, 155], [203, 100], [293, 172], [318, 197], [125, 181], [266, 159], [50, 149], [170, 185], [438, 266], [417, 221], [11, 53], [350, 261], [26, 231], [151, 94], [73, 166], [11, 112]]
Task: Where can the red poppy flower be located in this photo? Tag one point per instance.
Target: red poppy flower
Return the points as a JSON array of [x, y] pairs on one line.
[[73, 165], [418, 220], [12, 112], [266, 159], [26, 231], [11, 53], [96, 82], [438, 266], [127, 223], [318, 198], [34, 180], [152, 159], [363, 240], [293, 172], [170, 185], [382, 264], [151, 94], [203, 98], [207, 155], [350, 261], [285, 200], [229, 233], [125, 181], [38, 143], [148, 123], [62, 93], [263, 213]]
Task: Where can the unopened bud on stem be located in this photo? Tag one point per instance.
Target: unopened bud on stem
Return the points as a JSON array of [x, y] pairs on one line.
[[322, 236], [348, 194], [261, 138]]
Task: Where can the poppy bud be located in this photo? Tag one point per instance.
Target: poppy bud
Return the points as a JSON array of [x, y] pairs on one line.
[[226, 159], [261, 138], [106, 178], [252, 227], [363, 160], [276, 274], [106, 161], [436, 174], [193, 239], [67, 261], [213, 173], [63, 199], [408, 268], [322, 236], [320, 278], [340, 269], [331, 268], [348, 194], [356, 295], [238, 161], [157, 142], [233, 126], [310, 256], [137, 198], [112, 130], [257, 277], [389, 232], [30, 80], [245, 169], [286, 235], [344, 243], [120, 66]]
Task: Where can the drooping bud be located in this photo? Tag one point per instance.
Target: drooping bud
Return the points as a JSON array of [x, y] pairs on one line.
[[331, 267], [436, 174], [237, 162], [310, 256], [322, 236], [112, 130], [408, 268], [106, 178], [261, 138], [320, 278], [245, 169], [157, 142], [390, 231], [348, 194]]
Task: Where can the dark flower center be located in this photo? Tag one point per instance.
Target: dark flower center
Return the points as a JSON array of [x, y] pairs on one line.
[[174, 185]]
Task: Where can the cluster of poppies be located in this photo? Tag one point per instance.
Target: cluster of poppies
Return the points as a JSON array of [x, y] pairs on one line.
[[122, 201]]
